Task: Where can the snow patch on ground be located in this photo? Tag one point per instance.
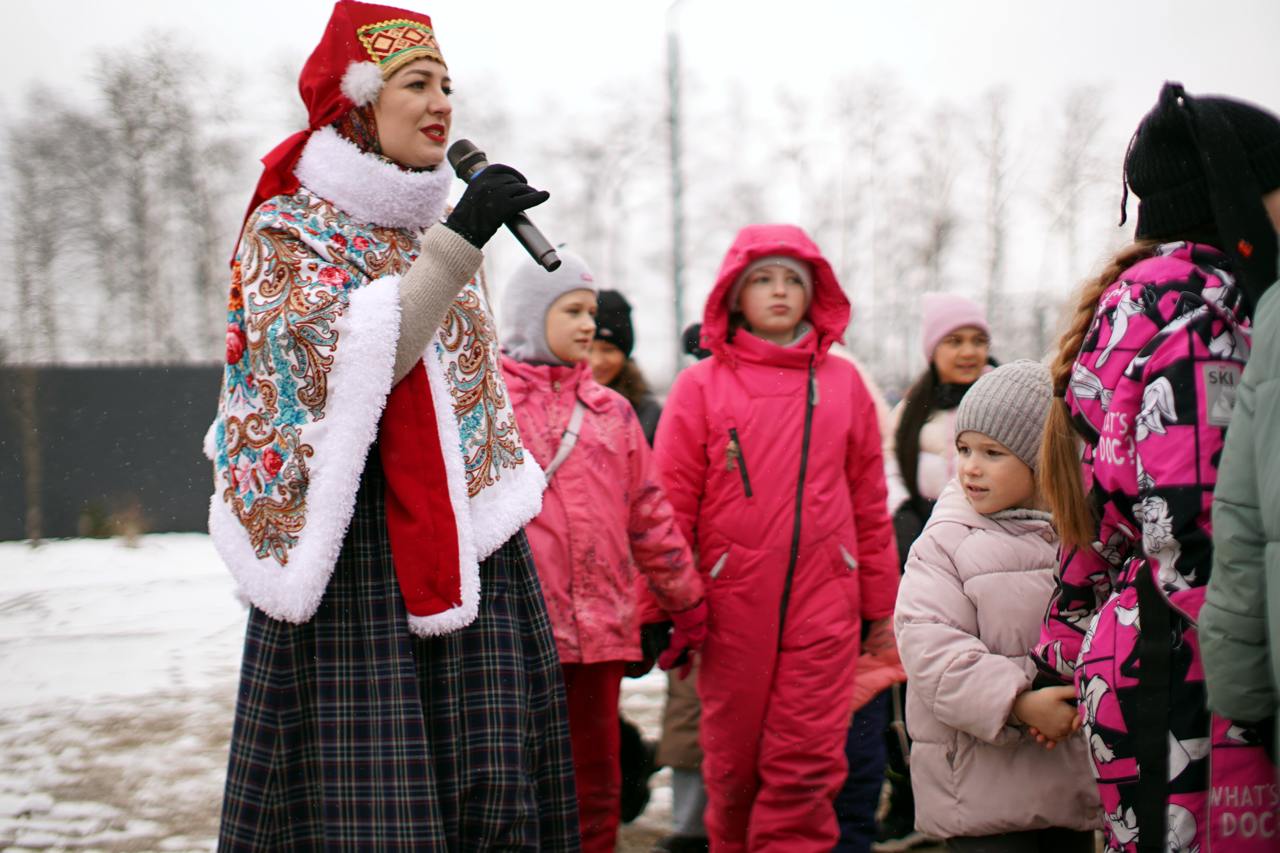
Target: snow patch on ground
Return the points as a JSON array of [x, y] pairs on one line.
[[94, 619], [120, 667]]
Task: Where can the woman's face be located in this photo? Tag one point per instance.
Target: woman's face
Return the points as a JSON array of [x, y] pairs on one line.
[[606, 361], [571, 324], [961, 356], [413, 114], [773, 301]]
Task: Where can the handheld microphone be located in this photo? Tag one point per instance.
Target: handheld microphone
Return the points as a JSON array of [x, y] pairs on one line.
[[468, 161]]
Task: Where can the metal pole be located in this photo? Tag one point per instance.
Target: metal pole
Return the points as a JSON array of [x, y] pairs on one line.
[[677, 178]]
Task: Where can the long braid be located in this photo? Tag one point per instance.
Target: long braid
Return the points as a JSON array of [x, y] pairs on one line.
[[1059, 451]]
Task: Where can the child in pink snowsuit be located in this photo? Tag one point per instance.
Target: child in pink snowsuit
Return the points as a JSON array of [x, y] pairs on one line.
[[1145, 379], [770, 454], [603, 517]]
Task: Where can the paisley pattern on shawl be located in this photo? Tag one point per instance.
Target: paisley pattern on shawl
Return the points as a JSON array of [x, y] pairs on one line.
[[298, 262], [490, 441]]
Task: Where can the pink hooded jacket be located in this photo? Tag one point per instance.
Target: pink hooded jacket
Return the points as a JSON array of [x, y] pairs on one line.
[[602, 514], [742, 388], [969, 609]]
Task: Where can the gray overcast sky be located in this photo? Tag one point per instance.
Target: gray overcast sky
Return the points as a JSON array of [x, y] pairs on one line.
[[571, 50], [948, 49]]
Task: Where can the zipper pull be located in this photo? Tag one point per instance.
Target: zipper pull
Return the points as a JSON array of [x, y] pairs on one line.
[[732, 453], [813, 384]]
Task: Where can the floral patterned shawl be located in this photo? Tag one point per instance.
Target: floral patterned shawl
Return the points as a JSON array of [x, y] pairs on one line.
[[313, 321]]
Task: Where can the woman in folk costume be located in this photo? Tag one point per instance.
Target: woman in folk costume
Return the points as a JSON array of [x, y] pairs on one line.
[[1145, 381], [604, 523], [399, 686], [770, 454]]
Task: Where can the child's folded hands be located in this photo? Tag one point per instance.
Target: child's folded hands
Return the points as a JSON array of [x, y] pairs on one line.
[[1049, 713]]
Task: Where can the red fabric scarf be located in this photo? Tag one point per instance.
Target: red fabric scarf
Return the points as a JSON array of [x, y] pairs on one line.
[[420, 519]]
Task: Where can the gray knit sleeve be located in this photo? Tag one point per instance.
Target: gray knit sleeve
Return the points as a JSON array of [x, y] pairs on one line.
[[446, 264]]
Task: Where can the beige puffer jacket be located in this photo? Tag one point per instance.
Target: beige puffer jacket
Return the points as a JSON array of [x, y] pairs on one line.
[[969, 607]]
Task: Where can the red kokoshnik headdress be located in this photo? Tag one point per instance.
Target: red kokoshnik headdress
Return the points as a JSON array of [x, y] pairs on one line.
[[363, 44]]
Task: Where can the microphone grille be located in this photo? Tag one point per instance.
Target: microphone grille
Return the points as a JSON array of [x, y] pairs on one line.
[[465, 158]]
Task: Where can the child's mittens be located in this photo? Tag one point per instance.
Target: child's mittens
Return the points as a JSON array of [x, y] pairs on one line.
[[688, 634], [654, 639]]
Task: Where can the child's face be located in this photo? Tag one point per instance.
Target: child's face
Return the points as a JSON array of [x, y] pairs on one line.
[[571, 324], [993, 478], [773, 301], [606, 361], [961, 356]]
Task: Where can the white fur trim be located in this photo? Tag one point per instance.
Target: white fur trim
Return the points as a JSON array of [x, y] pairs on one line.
[[369, 188], [455, 474], [210, 443], [358, 388], [362, 82]]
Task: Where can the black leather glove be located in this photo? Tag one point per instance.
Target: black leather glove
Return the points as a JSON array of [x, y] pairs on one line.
[[493, 196], [655, 637]]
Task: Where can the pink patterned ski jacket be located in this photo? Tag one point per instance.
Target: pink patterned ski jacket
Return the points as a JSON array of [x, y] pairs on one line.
[[603, 515], [1151, 393]]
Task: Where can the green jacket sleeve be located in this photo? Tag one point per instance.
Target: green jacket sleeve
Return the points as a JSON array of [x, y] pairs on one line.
[[1233, 622]]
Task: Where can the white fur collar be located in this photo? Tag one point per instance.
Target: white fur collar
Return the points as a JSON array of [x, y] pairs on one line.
[[369, 188]]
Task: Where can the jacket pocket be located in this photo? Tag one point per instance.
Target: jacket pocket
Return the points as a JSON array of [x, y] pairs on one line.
[[735, 458]]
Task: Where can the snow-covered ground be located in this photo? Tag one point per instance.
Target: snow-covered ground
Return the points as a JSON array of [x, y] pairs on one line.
[[119, 673]]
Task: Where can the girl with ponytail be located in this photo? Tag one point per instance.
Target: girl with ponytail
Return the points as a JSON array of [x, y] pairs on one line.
[[1144, 382]]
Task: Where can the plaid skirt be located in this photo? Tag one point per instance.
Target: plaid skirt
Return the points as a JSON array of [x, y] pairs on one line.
[[351, 733]]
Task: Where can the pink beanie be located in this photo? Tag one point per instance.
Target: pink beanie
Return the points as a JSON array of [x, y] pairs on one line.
[[943, 313]]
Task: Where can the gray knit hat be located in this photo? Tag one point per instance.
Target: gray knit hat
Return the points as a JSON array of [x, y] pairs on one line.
[[1010, 404], [527, 298]]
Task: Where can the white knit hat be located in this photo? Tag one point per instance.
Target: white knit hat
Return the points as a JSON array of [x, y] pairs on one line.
[[1010, 404], [527, 298]]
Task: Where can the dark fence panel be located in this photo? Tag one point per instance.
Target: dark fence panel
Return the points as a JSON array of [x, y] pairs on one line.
[[107, 449]]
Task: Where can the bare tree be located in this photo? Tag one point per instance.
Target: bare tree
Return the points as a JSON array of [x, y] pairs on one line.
[[849, 190], [868, 113], [1077, 170], [127, 197], [1076, 167], [598, 163], [993, 149], [28, 418], [927, 217], [34, 237]]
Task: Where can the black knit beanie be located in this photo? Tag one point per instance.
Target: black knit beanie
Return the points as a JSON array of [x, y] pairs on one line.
[[613, 320], [691, 340], [1202, 164]]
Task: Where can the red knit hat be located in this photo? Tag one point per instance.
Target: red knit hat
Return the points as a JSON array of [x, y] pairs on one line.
[[363, 44]]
